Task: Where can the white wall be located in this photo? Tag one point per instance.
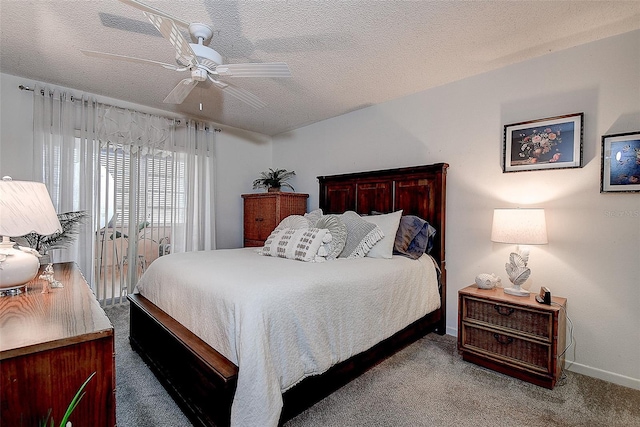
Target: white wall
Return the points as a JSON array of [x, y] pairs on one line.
[[593, 255], [240, 155]]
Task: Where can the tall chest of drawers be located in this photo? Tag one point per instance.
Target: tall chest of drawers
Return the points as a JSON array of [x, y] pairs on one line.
[[264, 211], [513, 335]]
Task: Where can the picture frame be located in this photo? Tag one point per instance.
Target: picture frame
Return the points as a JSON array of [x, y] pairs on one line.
[[551, 143], [620, 165]]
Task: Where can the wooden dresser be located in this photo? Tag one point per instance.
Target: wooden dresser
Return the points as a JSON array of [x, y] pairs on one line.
[[513, 335], [264, 211], [49, 345]]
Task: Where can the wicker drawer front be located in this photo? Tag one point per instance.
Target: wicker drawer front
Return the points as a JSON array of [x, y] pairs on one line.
[[531, 354], [518, 319]]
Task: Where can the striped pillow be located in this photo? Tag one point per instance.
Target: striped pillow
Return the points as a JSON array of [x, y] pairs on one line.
[[361, 235]]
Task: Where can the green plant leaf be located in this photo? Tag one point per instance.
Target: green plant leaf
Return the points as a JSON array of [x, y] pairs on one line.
[[70, 222], [43, 423], [274, 178], [74, 402]]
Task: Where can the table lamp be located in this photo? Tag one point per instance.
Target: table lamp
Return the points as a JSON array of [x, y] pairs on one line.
[[522, 227], [25, 207]]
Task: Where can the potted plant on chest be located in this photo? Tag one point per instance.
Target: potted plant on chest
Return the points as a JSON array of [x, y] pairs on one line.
[[274, 180], [70, 222]]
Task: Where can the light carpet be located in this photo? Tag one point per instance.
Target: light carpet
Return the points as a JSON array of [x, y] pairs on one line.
[[425, 384]]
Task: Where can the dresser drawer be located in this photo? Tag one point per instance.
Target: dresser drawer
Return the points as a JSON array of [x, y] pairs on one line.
[[510, 317], [493, 343]]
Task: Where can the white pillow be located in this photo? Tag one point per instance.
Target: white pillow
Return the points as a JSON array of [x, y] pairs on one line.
[[300, 244], [338, 234], [389, 224], [294, 221], [313, 216]]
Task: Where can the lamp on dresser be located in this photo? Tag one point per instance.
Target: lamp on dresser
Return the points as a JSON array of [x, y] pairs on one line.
[[25, 207], [520, 226]]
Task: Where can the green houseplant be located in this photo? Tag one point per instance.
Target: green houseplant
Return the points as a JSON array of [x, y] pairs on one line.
[[74, 402], [70, 222], [273, 180]]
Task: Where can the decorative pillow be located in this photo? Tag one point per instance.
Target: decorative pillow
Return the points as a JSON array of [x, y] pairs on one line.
[[414, 237], [301, 244], [388, 223], [338, 234], [314, 216], [294, 221], [361, 235]]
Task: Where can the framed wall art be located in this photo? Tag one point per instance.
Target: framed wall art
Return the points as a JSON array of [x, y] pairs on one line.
[[552, 143], [620, 166]]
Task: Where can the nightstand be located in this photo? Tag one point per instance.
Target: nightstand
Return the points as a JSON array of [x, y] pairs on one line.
[[516, 336]]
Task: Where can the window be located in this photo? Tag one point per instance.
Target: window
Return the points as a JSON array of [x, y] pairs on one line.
[[138, 196], [147, 182]]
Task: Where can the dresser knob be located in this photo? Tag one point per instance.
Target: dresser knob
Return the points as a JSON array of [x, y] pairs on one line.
[[259, 219], [503, 340], [504, 311]]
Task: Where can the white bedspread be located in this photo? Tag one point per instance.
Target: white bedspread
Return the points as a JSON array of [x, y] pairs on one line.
[[280, 320]]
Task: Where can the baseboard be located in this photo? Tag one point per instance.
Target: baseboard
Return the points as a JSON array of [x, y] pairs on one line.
[[603, 375], [587, 370]]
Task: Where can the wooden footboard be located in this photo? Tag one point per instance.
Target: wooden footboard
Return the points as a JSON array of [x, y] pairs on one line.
[[203, 382]]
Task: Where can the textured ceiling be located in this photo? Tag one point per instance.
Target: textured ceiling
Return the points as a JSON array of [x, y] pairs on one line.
[[343, 55]]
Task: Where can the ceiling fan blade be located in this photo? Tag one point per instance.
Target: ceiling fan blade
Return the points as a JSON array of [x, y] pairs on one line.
[[181, 91], [171, 32], [257, 69], [145, 8], [241, 94], [128, 59]]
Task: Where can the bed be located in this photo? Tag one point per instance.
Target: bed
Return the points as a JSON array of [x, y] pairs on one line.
[[205, 380]]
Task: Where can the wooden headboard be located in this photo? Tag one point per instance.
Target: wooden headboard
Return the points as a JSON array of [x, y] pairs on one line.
[[417, 190]]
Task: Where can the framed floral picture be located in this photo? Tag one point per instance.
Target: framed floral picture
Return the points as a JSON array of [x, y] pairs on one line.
[[620, 166], [552, 143]]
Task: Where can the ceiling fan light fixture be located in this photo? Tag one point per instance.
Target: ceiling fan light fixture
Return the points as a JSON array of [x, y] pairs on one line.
[[199, 74], [206, 56]]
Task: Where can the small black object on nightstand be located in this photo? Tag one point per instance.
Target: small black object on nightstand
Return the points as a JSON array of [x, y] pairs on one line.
[[545, 296]]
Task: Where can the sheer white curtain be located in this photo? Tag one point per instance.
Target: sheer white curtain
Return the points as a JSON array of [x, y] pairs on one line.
[[146, 181], [194, 225], [64, 159]]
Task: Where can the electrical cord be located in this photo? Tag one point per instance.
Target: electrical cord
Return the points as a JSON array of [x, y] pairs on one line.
[[563, 375]]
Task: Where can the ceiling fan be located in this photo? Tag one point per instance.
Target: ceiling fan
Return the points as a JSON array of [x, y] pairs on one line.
[[203, 62]]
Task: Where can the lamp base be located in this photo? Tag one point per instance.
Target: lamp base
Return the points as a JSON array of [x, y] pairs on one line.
[[17, 268], [517, 291], [11, 292]]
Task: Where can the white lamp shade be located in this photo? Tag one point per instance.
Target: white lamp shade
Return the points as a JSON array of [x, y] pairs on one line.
[[519, 226], [26, 207]]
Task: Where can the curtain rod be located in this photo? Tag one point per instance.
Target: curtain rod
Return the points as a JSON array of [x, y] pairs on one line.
[[178, 121]]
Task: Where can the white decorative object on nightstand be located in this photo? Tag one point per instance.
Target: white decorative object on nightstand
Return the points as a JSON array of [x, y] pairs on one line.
[[487, 281]]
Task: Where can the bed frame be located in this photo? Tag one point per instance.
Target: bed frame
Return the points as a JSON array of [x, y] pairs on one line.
[[203, 382]]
